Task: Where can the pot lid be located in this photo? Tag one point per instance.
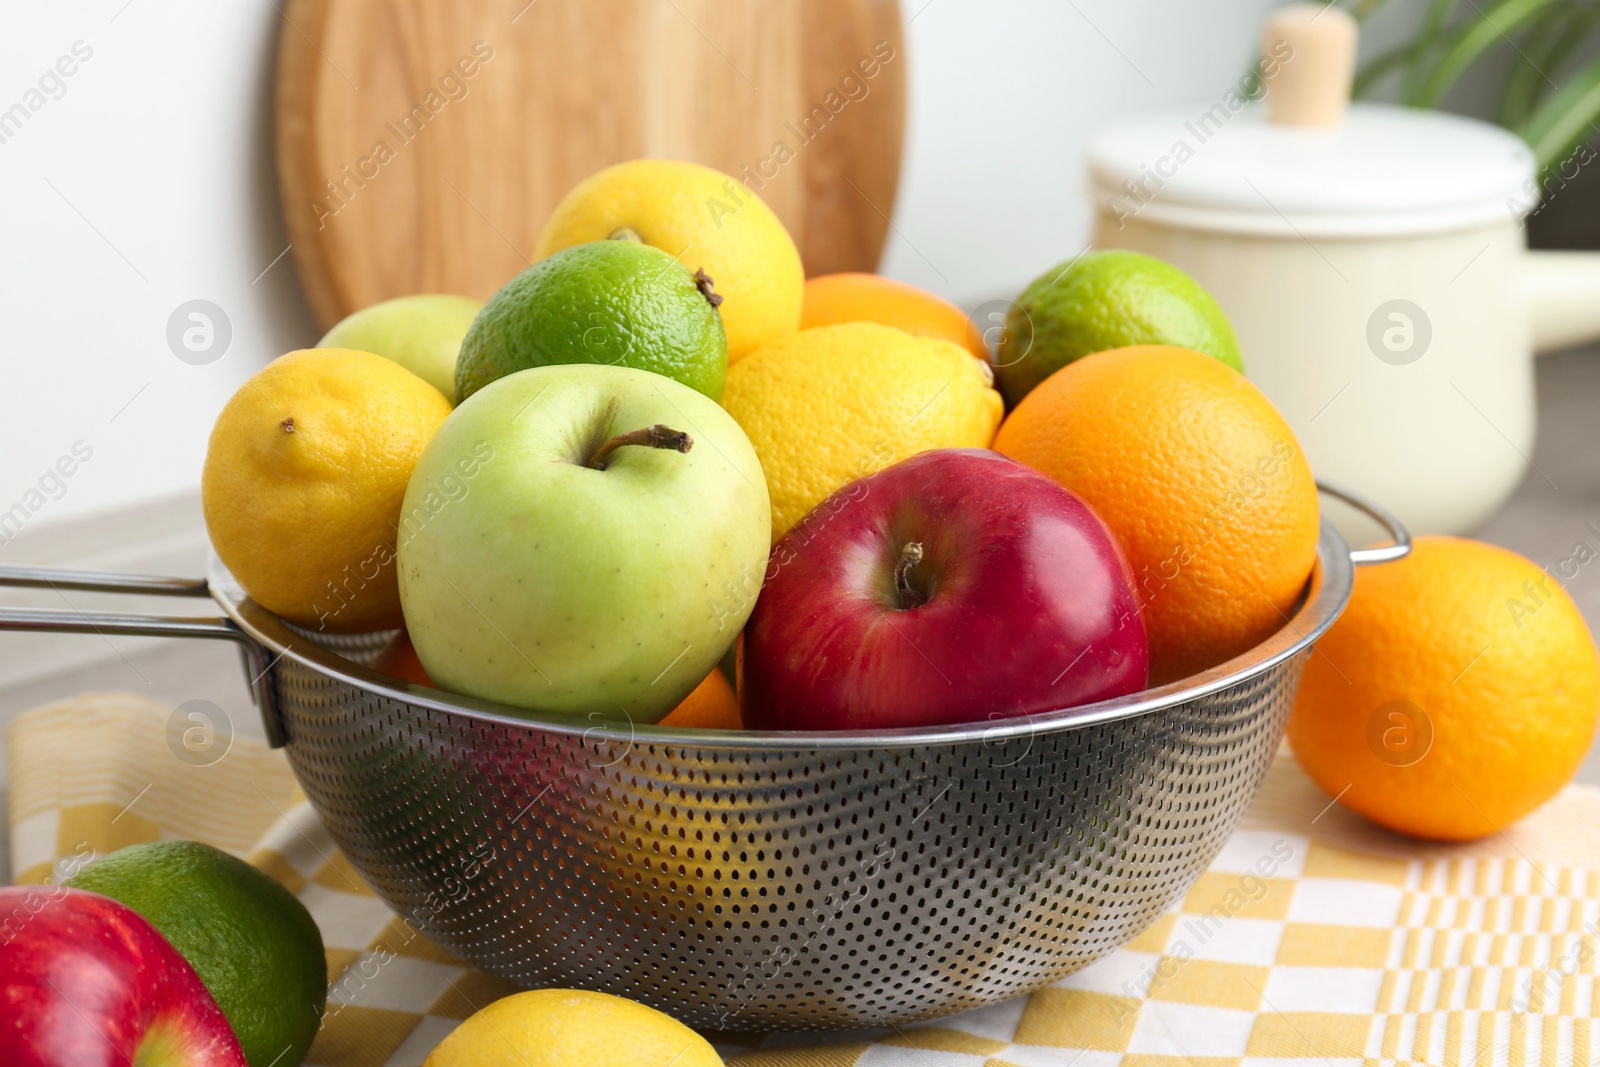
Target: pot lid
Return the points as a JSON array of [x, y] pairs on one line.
[[1303, 160], [1382, 169]]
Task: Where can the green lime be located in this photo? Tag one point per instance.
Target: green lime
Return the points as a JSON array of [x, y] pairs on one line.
[[618, 302], [253, 944], [422, 333], [1103, 300]]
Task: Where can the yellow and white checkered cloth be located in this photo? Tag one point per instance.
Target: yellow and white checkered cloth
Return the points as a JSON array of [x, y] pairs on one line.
[[1315, 938]]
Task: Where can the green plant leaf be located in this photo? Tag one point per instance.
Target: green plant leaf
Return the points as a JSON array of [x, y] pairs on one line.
[[1430, 36], [1477, 36], [1379, 67], [1361, 9], [1564, 119], [1542, 56]]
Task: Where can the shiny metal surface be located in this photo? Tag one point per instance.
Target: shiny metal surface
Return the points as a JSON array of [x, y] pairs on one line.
[[74, 620], [1399, 535], [749, 881]]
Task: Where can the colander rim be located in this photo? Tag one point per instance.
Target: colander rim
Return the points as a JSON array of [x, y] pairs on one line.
[[1327, 592]]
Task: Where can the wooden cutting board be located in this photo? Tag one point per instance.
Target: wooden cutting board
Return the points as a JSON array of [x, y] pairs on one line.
[[423, 143]]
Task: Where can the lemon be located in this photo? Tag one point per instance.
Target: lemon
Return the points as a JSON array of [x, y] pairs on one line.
[[706, 220], [1105, 300], [251, 942], [561, 1027], [828, 405], [618, 303], [303, 482]]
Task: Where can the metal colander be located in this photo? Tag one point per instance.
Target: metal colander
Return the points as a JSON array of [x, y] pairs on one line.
[[763, 881]]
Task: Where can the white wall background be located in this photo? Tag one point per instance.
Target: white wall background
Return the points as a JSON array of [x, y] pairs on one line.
[[150, 183], [1003, 95], [147, 184]]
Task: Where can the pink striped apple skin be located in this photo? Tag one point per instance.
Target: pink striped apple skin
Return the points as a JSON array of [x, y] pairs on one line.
[[1018, 601], [86, 982]]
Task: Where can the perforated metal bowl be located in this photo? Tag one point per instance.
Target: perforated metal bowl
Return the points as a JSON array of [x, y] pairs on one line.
[[764, 881]]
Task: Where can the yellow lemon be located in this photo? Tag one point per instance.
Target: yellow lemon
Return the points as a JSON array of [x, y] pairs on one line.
[[558, 1027], [303, 482], [710, 222], [826, 406]]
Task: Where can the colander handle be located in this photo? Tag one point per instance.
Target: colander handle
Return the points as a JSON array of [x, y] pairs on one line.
[[1383, 517], [105, 623]]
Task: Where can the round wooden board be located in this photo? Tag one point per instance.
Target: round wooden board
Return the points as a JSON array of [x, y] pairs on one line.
[[423, 143]]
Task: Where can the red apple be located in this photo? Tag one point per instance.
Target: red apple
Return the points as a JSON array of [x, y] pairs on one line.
[[86, 982], [953, 587]]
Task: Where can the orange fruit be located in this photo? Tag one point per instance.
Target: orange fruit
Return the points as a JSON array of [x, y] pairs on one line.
[[398, 659], [1201, 480], [1457, 692], [855, 297], [711, 706], [304, 477]]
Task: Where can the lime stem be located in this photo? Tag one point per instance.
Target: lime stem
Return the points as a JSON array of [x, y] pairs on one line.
[[703, 282], [657, 436], [625, 233], [910, 556]]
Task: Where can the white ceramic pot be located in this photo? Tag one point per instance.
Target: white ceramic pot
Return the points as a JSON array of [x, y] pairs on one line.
[[1376, 273]]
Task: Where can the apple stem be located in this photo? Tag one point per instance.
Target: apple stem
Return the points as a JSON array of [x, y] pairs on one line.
[[657, 436], [910, 556]]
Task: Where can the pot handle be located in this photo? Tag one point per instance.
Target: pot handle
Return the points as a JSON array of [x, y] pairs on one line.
[[1563, 294], [1383, 517], [49, 620]]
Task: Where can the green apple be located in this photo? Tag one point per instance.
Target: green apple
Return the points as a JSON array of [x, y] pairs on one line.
[[582, 538], [422, 333]]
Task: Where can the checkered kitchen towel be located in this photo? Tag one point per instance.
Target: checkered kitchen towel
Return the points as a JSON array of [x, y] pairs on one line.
[[1315, 938]]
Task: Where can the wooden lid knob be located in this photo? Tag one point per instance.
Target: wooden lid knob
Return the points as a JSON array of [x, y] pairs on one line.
[[1308, 54]]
